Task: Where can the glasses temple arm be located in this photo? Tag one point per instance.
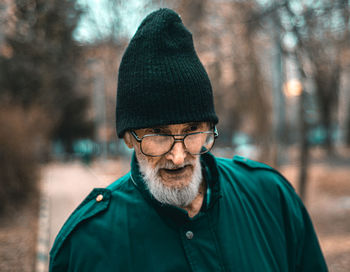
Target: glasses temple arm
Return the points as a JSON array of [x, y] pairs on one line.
[[135, 136]]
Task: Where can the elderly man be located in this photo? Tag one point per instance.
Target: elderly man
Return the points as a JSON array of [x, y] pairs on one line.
[[180, 208]]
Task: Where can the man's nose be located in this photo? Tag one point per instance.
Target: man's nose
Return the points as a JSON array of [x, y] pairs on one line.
[[177, 154]]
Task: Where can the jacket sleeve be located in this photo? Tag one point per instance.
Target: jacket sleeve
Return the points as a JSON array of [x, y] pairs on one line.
[[303, 249], [60, 262], [310, 257]]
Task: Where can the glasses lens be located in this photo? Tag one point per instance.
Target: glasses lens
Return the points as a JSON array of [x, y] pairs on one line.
[[199, 143], [156, 145]]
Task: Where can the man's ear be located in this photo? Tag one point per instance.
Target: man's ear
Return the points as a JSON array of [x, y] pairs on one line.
[[128, 140]]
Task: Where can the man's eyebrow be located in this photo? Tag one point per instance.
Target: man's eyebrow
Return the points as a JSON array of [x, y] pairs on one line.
[[195, 123], [199, 124], [162, 127]]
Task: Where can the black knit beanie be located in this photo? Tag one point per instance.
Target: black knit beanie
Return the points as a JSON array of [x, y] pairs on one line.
[[161, 79]]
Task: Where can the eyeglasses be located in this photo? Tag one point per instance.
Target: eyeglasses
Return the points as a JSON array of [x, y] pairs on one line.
[[196, 143]]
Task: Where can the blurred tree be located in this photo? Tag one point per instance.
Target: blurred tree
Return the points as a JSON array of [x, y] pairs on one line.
[[231, 50], [73, 124], [20, 142], [347, 134], [41, 66], [100, 21], [252, 102], [321, 31]]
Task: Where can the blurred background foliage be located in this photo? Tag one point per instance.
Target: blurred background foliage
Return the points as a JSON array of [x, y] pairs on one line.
[[279, 71]]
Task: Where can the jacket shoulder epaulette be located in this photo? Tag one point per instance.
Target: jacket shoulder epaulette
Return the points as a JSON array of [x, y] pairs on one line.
[[96, 202], [255, 165], [251, 163]]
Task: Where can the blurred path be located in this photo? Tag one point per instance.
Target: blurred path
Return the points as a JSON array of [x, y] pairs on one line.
[[64, 186], [67, 186]]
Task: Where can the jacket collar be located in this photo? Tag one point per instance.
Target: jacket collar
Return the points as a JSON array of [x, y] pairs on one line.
[[210, 174]]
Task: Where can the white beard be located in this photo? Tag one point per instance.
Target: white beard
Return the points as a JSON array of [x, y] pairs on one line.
[[180, 197]]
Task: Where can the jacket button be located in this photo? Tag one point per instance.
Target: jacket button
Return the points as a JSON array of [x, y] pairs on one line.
[[99, 198], [189, 235]]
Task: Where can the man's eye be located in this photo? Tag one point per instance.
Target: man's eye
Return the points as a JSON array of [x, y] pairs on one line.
[[193, 128]]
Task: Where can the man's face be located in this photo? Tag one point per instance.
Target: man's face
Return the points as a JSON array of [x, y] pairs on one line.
[[176, 170]]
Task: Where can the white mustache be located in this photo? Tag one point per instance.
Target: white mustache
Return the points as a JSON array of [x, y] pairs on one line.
[[171, 166]]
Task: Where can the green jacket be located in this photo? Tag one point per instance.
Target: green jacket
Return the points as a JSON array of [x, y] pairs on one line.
[[254, 221]]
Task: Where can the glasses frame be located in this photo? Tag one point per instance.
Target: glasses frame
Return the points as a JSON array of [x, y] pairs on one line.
[[138, 139]]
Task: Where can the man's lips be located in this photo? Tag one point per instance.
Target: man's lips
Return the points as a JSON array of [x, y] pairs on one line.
[[176, 171]]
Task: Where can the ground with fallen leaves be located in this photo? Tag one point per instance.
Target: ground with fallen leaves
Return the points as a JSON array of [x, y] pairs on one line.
[[18, 237]]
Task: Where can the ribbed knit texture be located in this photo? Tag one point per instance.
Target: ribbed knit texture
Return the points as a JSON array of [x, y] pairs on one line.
[[161, 79]]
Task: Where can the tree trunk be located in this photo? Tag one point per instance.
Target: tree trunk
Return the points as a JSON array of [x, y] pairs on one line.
[[328, 144], [347, 128], [304, 148]]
